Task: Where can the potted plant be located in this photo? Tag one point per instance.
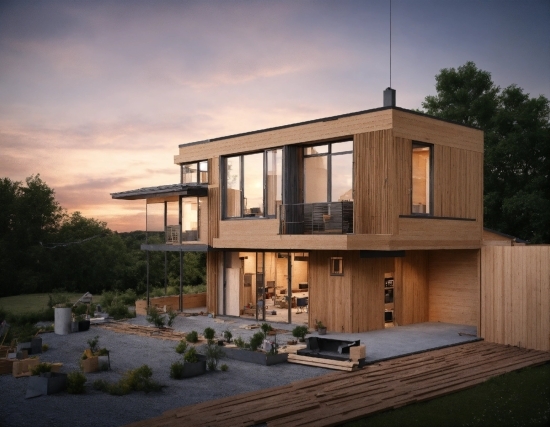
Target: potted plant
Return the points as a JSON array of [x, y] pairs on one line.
[[300, 332], [191, 364], [321, 329]]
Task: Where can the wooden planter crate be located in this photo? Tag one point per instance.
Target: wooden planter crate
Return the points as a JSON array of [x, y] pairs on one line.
[[22, 368], [6, 366], [91, 364]]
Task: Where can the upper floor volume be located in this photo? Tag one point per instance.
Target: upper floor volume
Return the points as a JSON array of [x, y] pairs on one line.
[[381, 179]]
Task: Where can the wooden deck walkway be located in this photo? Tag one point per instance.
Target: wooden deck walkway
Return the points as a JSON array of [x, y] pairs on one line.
[[345, 396]]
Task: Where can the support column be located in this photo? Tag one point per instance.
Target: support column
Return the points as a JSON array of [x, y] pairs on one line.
[[181, 282]]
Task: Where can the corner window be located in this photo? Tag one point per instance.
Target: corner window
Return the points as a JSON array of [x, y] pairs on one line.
[[422, 179], [194, 173], [253, 184], [328, 171], [336, 266]]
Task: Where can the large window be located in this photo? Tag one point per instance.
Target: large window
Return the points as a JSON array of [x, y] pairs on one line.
[[194, 173], [422, 179], [253, 184], [328, 172]]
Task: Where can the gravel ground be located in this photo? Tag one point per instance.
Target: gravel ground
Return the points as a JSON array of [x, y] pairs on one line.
[[96, 408]]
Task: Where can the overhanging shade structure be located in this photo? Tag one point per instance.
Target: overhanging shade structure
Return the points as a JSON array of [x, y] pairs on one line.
[[185, 190]]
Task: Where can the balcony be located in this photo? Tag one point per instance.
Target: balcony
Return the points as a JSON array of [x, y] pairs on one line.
[[316, 218], [173, 233]]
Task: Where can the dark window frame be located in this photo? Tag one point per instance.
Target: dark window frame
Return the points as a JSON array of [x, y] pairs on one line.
[[329, 155], [333, 270], [223, 174], [198, 173]]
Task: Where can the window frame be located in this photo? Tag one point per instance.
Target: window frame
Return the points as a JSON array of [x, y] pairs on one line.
[[419, 144], [332, 270], [198, 172], [223, 174], [329, 155]]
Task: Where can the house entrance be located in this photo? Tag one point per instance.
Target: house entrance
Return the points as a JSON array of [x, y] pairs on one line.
[[267, 286]]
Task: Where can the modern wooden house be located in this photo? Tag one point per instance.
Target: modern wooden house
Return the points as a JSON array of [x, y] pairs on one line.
[[361, 221]]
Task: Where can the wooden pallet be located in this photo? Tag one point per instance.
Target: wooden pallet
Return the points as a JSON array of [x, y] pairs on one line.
[[340, 397], [323, 363], [144, 331]]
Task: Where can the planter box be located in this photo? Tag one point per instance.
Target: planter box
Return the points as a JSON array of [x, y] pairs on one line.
[[46, 383], [255, 356], [22, 368], [194, 369], [104, 360], [83, 325], [24, 346], [172, 301], [36, 345], [91, 364], [6, 366]]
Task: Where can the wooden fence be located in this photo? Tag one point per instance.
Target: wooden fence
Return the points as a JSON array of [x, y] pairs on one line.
[[515, 295]]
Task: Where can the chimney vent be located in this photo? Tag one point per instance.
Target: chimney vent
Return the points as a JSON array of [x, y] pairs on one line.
[[389, 97]]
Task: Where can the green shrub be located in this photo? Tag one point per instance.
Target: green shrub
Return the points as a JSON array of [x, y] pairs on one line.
[[227, 335], [128, 297], [192, 336], [103, 352], [176, 370], [107, 298], [181, 347], [191, 355], [93, 343], [57, 298], [45, 348], [154, 317], [239, 342], [256, 340], [118, 310], [224, 367], [300, 332], [209, 334], [213, 353], [171, 316], [80, 309], [75, 382], [41, 368], [266, 327], [138, 379]]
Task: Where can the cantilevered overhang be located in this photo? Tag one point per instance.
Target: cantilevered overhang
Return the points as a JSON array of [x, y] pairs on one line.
[[185, 190]]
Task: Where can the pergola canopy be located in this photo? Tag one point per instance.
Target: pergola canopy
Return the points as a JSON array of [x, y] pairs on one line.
[[185, 190]]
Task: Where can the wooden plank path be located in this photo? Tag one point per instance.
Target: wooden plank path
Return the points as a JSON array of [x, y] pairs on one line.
[[336, 398]]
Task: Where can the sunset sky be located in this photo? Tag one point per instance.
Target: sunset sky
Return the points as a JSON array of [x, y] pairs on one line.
[[96, 96]]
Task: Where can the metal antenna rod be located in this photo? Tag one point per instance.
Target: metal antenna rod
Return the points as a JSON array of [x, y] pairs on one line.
[[390, 43]]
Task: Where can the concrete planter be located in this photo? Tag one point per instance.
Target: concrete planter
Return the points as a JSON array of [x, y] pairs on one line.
[[194, 369], [62, 320], [36, 345], [46, 383], [255, 356]]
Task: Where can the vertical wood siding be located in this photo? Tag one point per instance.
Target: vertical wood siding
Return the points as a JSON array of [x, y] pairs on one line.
[[411, 288], [515, 295], [453, 281]]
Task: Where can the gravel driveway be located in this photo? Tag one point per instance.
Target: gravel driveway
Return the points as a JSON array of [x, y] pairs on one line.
[[96, 408]]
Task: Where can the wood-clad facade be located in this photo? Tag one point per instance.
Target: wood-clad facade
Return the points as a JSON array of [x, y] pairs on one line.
[[436, 277]]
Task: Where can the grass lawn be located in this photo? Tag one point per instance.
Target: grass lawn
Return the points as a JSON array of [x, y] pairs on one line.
[[520, 398], [21, 304]]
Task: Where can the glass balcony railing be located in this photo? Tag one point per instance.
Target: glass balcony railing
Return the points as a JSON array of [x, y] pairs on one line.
[[316, 218]]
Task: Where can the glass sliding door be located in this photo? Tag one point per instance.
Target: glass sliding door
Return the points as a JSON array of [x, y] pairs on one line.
[[260, 286]]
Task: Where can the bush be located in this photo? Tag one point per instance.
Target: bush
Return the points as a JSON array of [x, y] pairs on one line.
[[181, 347], [119, 310], [75, 382], [239, 342], [171, 316], [192, 336], [209, 334], [213, 354], [256, 340], [227, 335], [300, 332], [45, 348], [191, 355], [107, 298], [176, 370], [138, 379], [41, 368], [128, 297], [224, 367], [266, 327], [94, 344], [154, 317]]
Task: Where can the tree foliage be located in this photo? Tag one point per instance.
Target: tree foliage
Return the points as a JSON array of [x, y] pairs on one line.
[[517, 147], [42, 248]]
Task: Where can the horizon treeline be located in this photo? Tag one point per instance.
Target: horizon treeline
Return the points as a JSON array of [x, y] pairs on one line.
[[43, 249]]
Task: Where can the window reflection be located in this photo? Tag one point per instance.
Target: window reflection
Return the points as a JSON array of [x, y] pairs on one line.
[[342, 177], [274, 182], [421, 179], [253, 185], [233, 187]]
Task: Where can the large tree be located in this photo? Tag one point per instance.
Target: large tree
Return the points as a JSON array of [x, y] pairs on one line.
[[517, 147]]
